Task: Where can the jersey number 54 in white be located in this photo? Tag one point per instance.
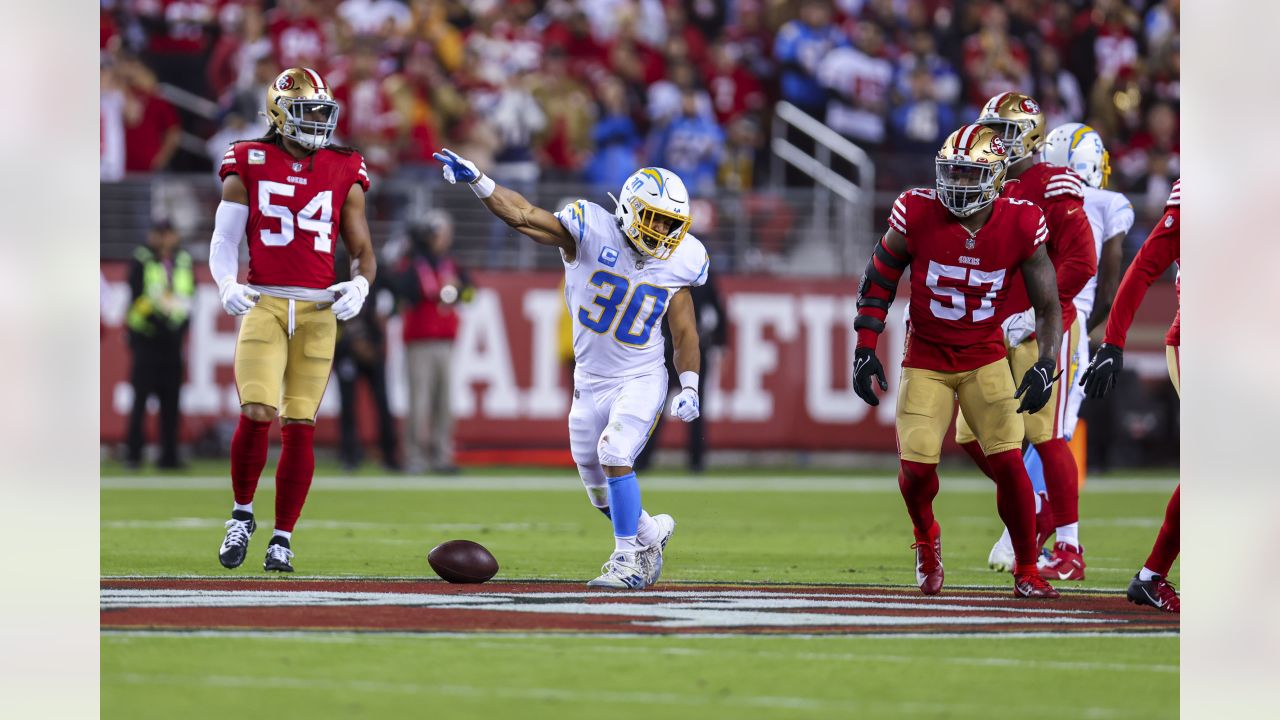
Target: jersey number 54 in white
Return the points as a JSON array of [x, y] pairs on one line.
[[314, 218], [954, 308]]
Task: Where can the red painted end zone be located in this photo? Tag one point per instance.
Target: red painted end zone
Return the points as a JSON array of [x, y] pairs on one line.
[[433, 606]]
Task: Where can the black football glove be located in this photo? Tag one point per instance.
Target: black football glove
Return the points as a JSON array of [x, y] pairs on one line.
[[1100, 376], [865, 367], [1037, 386]]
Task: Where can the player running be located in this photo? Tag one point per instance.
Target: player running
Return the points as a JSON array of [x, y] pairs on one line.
[[1162, 249], [623, 270], [1079, 148], [1059, 193], [965, 246], [291, 191]]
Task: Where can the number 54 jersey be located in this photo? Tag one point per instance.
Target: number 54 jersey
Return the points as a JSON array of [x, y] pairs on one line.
[[959, 281], [295, 209], [617, 297]]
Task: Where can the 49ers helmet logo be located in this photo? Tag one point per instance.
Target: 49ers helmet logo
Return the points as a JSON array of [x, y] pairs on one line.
[[1030, 107], [284, 83], [997, 145]]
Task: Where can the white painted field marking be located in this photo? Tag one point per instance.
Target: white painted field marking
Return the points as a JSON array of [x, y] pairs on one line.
[[571, 483], [329, 636], [195, 523]]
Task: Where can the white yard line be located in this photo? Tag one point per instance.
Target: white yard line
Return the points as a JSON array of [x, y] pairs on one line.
[[333, 636]]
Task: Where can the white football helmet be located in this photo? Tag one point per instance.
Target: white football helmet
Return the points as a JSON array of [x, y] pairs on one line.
[[1079, 147], [653, 211]]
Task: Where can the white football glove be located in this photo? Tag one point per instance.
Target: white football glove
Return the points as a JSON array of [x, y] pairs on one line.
[[685, 406], [1018, 327], [353, 293], [457, 168], [236, 299]]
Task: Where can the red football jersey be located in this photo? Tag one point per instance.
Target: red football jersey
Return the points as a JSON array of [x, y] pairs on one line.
[[1162, 249], [295, 209], [1059, 193], [959, 282]]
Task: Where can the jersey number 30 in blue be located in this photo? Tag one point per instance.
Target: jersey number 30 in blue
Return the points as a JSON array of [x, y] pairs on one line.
[[641, 308]]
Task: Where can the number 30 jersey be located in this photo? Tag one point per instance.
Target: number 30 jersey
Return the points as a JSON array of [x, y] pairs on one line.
[[617, 297], [960, 281], [295, 210]]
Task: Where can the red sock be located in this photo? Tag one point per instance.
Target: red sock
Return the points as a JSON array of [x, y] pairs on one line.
[[1016, 503], [1044, 521], [248, 457], [979, 457], [1061, 479], [293, 474], [1165, 551], [919, 485]]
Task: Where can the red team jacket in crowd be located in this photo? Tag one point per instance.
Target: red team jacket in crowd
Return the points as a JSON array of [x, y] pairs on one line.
[[429, 319], [959, 284], [295, 209], [1162, 249]]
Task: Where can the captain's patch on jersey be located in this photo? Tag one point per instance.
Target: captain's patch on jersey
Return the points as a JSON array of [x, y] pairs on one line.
[[257, 157], [608, 256]]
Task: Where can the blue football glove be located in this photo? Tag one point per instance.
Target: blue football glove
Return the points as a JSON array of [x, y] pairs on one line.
[[456, 168]]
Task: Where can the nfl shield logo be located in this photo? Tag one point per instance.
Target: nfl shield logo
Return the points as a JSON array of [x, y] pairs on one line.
[[297, 167], [969, 244]]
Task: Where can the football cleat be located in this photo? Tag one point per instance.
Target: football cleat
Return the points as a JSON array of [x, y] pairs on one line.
[[278, 556], [622, 572], [651, 557], [1066, 563], [1032, 586], [236, 542], [1002, 558], [1156, 592], [929, 566]]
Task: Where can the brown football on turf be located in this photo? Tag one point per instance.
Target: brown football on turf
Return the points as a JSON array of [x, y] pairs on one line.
[[462, 561]]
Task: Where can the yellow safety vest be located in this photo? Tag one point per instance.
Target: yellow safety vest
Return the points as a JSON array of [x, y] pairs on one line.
[[162, 295]]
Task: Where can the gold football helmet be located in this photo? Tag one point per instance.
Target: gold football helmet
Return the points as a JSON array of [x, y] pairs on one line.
[[301, 108], [970, 168], [1019, 121]]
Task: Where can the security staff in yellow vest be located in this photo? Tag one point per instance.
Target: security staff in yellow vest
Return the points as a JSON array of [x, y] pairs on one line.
[[162, 285]]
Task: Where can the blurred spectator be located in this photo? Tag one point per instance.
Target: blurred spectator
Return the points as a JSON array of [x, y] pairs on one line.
[[921, 122], [741, 154], [516, 118], [151, 130], [367, 120], [241, 45], [733, 89], [430, 285], [1057, 90], [617, 143], [111, 104], [859, 80], [1150, 162], [800, 49], [566, 141], [361, 352], [248, 98], [994, 62], [431, 25], [923, 52], [374, 17], [690, 146], [179, 36], [296, 34], [414, 105], [161, 285]]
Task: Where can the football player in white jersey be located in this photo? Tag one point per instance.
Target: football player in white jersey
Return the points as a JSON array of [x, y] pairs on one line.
[[624, 269], [1079, 147]]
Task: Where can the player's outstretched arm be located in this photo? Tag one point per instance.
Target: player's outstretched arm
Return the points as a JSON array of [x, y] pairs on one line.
[[1042, 289], [229, 224], [876, 293], [510, 206], [364, 261], [1109, 263], [686, 356]]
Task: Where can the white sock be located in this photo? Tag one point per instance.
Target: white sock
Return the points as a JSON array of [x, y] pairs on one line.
[[1069, 534], [246, 508], [286, 534], [627, 544], [1145, 575], [647, 531]]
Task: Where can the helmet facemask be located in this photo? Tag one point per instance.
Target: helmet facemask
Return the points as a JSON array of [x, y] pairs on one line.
[[310, 132], [966, 187], [654, 231], [1012, 133]]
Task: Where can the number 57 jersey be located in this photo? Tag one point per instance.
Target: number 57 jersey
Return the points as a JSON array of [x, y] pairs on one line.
[[295, 209], [617, 297], [959, 281]]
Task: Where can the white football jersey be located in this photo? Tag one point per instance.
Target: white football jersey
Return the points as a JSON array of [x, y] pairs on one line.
[[1110, 214], [617, 296]]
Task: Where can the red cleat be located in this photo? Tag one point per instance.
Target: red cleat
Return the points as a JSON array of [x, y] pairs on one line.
[[1066, 563], [929, 566], [1033, 587], [1156, 592]]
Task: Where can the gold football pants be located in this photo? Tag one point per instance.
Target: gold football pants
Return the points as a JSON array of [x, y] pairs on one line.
[[283, 356], [927, 401]]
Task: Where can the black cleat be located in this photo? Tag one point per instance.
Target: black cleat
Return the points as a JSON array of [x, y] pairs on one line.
[[278, 556], [1156, 592], [239, 529]]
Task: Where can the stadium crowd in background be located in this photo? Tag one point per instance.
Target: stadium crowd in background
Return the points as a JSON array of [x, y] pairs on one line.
[[566, 89]]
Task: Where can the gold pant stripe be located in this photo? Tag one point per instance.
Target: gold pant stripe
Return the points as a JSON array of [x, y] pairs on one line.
[[286, 372], [1175, 367]]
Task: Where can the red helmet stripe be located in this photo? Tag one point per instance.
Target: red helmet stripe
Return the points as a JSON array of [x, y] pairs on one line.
[[316, 80], [966, 136]]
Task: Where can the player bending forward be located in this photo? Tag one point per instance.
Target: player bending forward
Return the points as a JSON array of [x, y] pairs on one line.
[[964, 245], [1162, 249], [623, 270], [291, 191]]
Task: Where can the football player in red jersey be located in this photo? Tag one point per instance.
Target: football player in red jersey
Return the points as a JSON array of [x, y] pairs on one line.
[[1059, 193], [1162, 249], [965, 246], [291, 192]]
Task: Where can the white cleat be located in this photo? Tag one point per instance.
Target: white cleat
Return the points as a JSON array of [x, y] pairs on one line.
[[651, 557], [622, 572], [1001, 558]]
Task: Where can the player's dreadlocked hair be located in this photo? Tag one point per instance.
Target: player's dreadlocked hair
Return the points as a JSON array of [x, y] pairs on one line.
[[273, 137]]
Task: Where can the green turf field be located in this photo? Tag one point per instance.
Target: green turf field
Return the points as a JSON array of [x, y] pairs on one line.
[[757, 527]]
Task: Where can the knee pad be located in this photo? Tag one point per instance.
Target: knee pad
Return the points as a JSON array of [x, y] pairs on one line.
[[596, 483], [619, 444]]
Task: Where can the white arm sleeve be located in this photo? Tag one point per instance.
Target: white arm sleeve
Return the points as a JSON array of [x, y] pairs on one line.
[[224, 247]]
